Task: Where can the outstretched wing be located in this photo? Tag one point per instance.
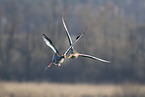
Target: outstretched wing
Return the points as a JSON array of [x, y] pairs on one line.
[[49, 43], [67, 33], [78, 38], [95, 58]]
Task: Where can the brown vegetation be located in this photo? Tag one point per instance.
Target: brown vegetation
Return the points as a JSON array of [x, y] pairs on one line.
[[34, 89]]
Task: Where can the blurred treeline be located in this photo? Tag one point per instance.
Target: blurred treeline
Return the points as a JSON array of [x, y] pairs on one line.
[[115, 31]]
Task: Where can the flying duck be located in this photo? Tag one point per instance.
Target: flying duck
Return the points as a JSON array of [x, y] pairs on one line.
[[73, 53], [58, 58]]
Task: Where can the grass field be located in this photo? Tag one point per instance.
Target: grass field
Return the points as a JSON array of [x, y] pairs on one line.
[[44, 89]]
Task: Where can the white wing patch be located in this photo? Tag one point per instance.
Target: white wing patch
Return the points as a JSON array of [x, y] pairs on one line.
[[49, 44]]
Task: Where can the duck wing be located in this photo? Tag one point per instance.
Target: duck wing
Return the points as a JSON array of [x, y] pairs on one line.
[[67, 32], [77, 39], [95, 58], [49, 43]]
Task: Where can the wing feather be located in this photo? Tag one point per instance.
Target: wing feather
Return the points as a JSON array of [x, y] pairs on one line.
[[67, 32], [49, 43], [92, 57], [77, 39]]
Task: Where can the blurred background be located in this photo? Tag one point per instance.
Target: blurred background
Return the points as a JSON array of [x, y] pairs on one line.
[[115, 32]]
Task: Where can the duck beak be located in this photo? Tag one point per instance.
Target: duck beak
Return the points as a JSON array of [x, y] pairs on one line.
[[69, 56], [50, 64]]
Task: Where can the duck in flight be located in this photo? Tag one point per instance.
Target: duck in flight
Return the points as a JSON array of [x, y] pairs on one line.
[[73, 53], [58, 58]]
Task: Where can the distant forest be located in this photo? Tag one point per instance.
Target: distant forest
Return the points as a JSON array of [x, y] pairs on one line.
[[115, 32]]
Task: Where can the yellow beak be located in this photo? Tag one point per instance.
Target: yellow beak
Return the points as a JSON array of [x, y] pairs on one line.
[[69, 56]]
